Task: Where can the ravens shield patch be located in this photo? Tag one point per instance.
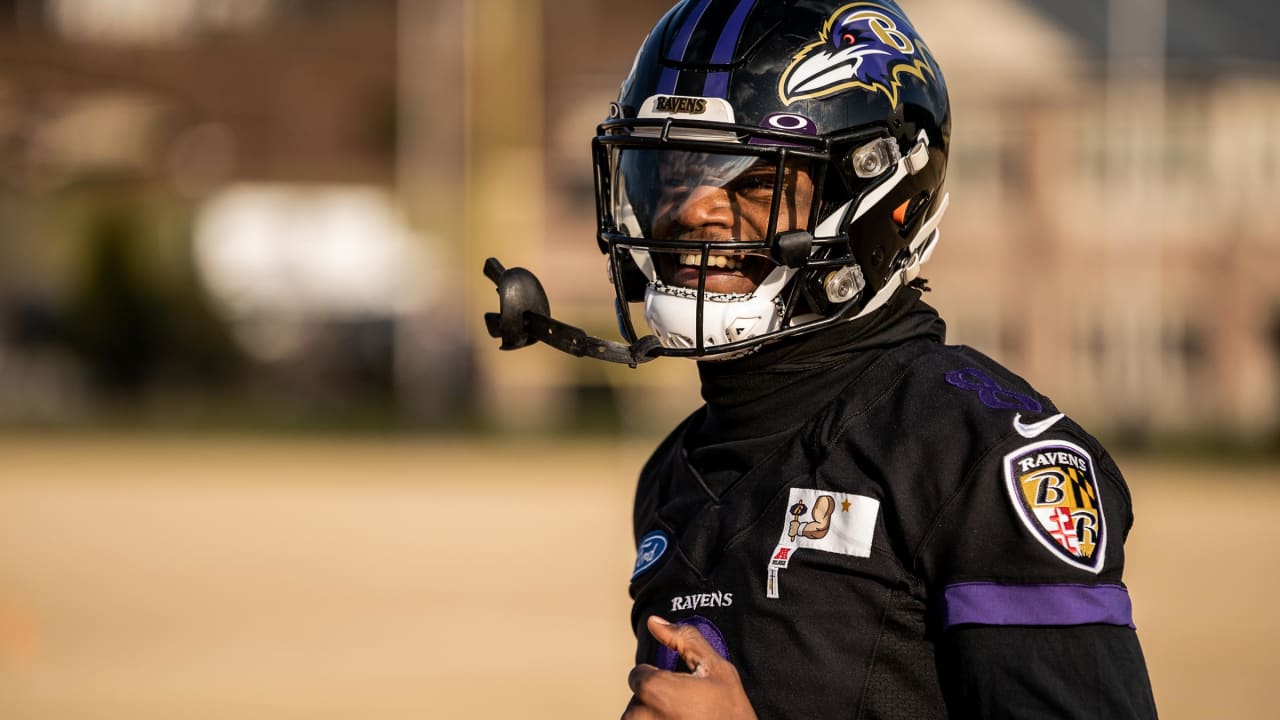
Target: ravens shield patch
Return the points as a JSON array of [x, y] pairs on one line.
[[1054, 488]]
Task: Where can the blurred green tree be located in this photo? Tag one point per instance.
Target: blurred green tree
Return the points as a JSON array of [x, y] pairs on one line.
[[138, 316], [115, 312]]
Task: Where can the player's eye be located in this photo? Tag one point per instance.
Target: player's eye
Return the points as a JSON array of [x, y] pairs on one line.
[[674, 184], [756, 184]]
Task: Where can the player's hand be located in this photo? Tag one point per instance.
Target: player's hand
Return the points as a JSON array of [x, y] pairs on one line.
[[713, 691]]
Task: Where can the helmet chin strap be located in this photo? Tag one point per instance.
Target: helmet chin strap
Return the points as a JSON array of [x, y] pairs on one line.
[[524, 317]]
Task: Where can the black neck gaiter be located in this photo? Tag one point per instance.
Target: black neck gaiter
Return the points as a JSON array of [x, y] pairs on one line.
[[753, 403]]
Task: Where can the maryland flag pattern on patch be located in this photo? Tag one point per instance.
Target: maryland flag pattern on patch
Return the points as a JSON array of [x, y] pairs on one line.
[[1054, 489]]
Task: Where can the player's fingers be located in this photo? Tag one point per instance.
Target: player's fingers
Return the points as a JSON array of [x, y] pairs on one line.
[[688, 643], [637, 711], [658, 691], [640, 676]]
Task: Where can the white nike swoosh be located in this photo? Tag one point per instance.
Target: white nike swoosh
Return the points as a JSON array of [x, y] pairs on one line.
[[1035, 429]]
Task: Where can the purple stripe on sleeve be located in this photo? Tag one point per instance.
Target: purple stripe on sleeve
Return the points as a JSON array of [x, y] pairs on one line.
[[983, 603]]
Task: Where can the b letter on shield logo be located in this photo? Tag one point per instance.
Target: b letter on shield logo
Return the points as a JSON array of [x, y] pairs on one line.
[[1054, 488]]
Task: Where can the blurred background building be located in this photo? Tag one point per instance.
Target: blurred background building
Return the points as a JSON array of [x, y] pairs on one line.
[[266, 215], [248, 212]]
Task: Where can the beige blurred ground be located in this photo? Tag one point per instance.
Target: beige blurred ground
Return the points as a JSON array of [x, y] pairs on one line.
[[230, 578]]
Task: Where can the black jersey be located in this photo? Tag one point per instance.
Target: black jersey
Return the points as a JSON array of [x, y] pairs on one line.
[[873, 524]]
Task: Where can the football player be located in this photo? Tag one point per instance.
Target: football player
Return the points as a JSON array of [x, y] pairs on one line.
[[860, 521]]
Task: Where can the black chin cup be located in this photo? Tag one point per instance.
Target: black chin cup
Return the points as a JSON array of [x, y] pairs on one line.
[[524, 317], [518, 291]]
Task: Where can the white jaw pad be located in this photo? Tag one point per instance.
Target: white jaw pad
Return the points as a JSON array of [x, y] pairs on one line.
[[673, 312]]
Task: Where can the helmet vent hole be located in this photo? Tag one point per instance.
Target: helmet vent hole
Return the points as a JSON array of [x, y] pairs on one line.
[[909, 214]]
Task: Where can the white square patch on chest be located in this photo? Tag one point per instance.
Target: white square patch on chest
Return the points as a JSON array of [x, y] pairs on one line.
[[823, 520]]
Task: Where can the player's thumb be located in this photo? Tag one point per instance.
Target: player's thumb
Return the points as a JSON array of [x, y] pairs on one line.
[[688, 643]]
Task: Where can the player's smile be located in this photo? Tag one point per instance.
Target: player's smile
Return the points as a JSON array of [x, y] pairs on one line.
[[727, 273]]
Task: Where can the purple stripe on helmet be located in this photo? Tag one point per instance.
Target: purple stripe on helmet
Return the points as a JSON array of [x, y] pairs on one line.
[[679, 46], [681, 42], [717, 84], [723, 54], [667, 81], [985, 603]]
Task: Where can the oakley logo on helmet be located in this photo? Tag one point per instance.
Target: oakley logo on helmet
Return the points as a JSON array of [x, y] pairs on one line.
[[862, 46], [790, 122]]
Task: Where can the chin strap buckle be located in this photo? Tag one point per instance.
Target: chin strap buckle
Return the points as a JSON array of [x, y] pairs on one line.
[[524, 317]]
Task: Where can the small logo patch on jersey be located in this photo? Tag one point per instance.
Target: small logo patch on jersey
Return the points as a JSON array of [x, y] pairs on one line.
[[652, 546], [823, 520], [1054, 488]]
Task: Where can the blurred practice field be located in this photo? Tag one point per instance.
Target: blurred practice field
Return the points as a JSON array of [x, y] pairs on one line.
[[340, 578]]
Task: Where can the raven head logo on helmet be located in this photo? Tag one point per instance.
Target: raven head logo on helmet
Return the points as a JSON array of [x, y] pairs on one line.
[[862, 46], [768, 170]]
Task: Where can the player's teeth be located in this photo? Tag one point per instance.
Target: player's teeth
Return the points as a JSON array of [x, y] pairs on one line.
[[715, 261]]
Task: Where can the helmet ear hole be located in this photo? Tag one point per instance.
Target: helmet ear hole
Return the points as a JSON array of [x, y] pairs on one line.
[[909, 214]]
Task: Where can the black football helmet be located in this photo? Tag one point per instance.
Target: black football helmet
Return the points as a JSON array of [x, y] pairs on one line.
[[770, 168]]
